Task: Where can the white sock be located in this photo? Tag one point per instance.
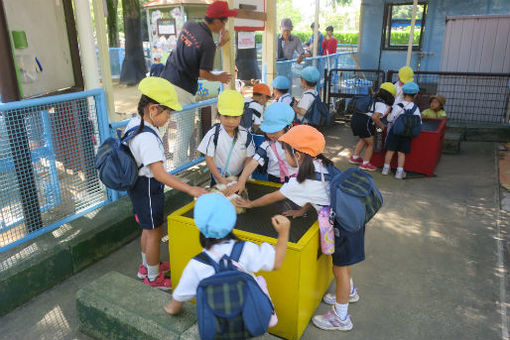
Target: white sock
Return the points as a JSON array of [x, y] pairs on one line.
[[352, 286], [386, 166], [152, 272], [400, 169], [341, 310], [355, 156], [365, 162], [144, 259]]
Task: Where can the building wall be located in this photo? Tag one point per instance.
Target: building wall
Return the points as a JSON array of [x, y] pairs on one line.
[[435, 21]]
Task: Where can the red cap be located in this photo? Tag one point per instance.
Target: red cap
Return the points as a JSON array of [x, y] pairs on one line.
[[219, 9]]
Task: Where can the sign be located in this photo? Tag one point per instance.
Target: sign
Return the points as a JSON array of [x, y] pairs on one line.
[[166, 26], [245, 40], [248, 24]]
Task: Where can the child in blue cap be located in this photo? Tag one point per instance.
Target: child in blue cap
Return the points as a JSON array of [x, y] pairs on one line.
[[215, 217], [281, 86], [270, 155], [309, 78], [400, 144]]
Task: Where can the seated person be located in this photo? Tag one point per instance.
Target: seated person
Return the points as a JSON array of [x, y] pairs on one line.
[[436, 109]]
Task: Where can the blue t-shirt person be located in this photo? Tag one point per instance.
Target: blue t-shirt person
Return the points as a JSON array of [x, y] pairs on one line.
[[156, 69]]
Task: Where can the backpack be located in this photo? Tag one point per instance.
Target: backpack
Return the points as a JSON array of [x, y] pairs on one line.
[[249, 136], [115, 162], [230, 303], [247, 118], [354, 197], [318, 113], [360, 104], [407, 124]]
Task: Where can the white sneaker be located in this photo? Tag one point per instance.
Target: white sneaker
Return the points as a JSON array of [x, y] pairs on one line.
[[331, 321], [330, 298], [400, 174], [385, 171]]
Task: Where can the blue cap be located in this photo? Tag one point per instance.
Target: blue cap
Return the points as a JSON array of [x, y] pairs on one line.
[[310, 74], [215, 216], [276, 117], [281, 83], [410, 88]]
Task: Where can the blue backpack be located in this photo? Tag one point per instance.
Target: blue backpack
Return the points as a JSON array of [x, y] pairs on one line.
[[360, 104], [115, 162], [318, 113], [247, 117], [230, 303], [407, 124], [354, 198]]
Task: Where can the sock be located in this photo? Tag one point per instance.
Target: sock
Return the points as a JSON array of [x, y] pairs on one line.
[[355, 156], [341, 310], [400, 169], [352, 286], [386, 166], [365, 162], [144, 259], [152, 272]]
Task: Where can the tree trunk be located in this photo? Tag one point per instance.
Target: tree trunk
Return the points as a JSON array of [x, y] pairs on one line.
[[113, 30], [133, 67]]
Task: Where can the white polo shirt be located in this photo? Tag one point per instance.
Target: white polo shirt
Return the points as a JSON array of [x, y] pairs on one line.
[[257, 107], [146, 148], [221, 151], [378, 107], [397, 110], [306, 101], [286, 99], [309, 191], [253, 259], [399, 97], [273, 166]]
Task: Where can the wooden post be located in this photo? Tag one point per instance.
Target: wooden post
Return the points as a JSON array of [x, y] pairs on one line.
[[316, 29], [411, 34], [228, 51], [269, 42]]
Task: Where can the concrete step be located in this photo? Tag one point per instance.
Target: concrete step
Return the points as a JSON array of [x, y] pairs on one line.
[[119, 307], [451, 143]]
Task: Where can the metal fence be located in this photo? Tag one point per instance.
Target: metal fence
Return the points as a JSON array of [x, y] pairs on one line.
[[47, 149], [470, 97]]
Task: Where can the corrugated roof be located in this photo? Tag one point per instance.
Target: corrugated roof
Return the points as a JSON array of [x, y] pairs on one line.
[[169, 3]]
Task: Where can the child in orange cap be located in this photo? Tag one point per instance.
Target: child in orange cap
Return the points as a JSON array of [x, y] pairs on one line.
[[303, 146], [254, 107]]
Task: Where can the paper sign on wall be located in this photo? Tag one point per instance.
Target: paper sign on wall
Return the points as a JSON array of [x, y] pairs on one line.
[[245, 40], [248, 24]]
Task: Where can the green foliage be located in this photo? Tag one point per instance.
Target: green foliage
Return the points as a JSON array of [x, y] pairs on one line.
[[402, 38]]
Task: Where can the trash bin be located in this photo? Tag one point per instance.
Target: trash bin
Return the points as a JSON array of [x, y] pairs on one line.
[[296, 288], [426, 149]]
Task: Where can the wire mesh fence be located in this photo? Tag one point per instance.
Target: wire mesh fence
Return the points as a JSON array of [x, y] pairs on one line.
[[470, 97], [47, 173]]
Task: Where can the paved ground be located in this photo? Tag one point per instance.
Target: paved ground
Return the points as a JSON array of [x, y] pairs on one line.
[[433, 267]]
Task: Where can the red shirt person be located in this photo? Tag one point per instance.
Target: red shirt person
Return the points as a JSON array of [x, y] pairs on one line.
[[330, 43]]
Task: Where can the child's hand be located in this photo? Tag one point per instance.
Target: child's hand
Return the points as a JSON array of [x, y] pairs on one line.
[[242, 203], [237, 188], [197, 191], [173, 307], [294, 213], [280, 223]]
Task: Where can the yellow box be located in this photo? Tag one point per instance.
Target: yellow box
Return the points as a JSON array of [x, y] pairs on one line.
[[296, 288]]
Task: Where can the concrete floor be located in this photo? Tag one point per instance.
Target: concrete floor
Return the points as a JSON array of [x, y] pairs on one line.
[[433, 269]]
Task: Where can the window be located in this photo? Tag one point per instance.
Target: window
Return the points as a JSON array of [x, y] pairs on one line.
[[397, 25]]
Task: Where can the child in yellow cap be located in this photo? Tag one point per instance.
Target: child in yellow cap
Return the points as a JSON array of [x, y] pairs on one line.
[[405, 75], [227, 145], [157, 102]]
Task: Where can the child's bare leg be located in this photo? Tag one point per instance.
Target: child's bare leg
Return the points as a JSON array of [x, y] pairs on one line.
[[342, 276], [388, 157], [401, 159], [370, 148], [152, 251], [359, 147]]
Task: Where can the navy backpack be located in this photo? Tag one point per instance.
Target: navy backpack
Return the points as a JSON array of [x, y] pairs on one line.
[[407, 124], [318, 113], [230, 303], [115, 162], [360, 104], [247, 117]]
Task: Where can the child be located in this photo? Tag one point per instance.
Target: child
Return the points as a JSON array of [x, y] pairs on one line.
[[309, 78], [215, 217], [281, 86], [261, 94], [156, 67], [399, 143], [227, 146], [362, 124], [278, 118], [158, 101], [405, 75], [436, 109], [330, 44], [303, 147]]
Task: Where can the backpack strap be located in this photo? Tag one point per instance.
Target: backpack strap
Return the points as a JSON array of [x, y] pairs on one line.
[[216, 134], [249, 139], [237, 249], [206, 259], [131, 133]]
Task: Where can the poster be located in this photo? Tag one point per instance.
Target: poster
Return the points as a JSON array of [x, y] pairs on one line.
[[245, 40]]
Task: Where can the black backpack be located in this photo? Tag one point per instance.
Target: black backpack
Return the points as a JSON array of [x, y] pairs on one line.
[[249, 137], [360, 104], [247, 118]]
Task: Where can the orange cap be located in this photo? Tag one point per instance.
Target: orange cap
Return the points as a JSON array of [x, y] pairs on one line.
[[262, 89], [306, 139]]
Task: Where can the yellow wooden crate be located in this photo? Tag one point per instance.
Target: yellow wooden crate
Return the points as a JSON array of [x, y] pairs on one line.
[[296, 288]]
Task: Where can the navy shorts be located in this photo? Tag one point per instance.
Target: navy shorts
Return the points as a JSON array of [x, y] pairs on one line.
[[398, 143], [349, 246], [361, 125], [148, 200]]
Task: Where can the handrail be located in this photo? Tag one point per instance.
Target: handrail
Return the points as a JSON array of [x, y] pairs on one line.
[[50, 100]]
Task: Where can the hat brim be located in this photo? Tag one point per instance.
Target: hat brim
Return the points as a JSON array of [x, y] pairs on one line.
[[173, 106], [269, 128]]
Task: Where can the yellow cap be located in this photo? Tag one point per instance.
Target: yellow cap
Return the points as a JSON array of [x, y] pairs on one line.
[[230, 103], [389, 87], [406, 74], [160, 90]]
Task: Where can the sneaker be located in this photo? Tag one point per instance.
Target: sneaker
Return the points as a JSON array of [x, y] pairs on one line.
[[330, 298], [400, 174], [356, 161], [368, 167], [161, 282], [142, 270], [385, 171], [331, 321]]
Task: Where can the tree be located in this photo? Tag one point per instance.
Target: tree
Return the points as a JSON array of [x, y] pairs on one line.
[[133, 67], [112, 23]]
